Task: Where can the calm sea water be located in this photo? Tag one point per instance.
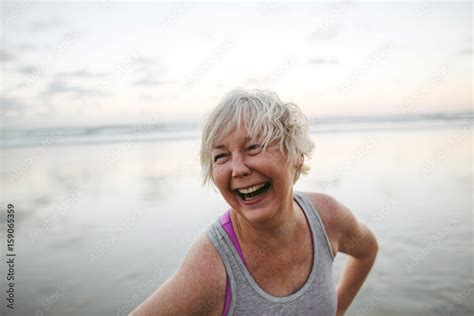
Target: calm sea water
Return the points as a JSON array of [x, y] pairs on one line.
[[100, 226]]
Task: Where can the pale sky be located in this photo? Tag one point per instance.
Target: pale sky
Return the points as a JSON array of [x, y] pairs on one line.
[[108, 62]]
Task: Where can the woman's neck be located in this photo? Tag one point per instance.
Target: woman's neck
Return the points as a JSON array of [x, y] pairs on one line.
[[281, 229]]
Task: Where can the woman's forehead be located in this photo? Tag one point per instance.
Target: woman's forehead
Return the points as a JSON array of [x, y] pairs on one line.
[[239, 134], [232, 138]]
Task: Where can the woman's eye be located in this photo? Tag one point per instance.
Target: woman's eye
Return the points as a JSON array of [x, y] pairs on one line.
[[254, 149], [219, 157]]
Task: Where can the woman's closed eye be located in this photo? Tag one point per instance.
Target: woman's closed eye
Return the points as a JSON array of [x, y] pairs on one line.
[[254, 149], [220, 158]]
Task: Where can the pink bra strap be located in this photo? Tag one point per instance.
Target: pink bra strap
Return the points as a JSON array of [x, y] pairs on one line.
[[226, 223]]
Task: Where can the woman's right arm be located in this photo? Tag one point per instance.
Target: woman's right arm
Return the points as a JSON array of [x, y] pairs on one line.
[[197, 288]]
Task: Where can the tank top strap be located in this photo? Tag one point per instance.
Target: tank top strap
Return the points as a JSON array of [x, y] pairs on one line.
[[224, 247], [313, 215]]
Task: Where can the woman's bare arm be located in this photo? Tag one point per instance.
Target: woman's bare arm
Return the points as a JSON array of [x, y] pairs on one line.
[[197, 288], [357, 241], [349, 236]]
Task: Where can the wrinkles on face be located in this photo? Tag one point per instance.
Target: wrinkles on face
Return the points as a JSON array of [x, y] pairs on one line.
[[240, 162]]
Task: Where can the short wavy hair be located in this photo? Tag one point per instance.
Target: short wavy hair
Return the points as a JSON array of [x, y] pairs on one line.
[[265, 117]]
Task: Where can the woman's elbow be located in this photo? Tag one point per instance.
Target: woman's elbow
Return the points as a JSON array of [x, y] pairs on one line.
[[373, 247]]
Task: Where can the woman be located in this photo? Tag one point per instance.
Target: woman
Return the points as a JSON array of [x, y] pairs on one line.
[[271, 253]]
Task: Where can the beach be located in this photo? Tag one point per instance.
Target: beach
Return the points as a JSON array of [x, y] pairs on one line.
[[101, 225]]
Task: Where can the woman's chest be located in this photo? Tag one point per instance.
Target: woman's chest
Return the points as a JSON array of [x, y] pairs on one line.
[[281, 273]]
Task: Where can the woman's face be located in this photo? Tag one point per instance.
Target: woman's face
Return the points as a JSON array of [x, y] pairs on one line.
[[255, 183]]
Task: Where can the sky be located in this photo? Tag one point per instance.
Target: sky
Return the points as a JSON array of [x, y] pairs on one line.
[[114, 62]]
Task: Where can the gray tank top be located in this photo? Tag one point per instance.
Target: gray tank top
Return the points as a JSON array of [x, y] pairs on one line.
[[316, 297]]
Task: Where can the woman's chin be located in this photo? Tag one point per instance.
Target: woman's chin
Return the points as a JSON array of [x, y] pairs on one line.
[[257, 210]]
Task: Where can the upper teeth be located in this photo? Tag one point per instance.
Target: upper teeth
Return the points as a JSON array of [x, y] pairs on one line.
[[251, 189]]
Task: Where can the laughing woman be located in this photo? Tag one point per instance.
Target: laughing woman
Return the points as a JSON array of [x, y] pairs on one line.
[[272, 252]]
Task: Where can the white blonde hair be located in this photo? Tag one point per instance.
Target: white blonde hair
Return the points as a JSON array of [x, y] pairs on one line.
[[265, 117]]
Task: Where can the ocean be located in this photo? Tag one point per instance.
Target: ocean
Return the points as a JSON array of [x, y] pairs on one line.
[[104, 215]]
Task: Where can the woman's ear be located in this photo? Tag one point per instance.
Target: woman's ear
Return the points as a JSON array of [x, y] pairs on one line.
[[299, 162], [298, 166]]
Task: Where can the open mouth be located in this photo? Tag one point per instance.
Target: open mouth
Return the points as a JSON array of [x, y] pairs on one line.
[[254, 191]]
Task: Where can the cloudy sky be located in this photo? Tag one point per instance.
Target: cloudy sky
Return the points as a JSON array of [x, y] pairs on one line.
[[108, 62]]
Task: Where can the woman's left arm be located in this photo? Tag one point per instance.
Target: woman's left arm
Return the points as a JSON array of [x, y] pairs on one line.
[[357, 241]]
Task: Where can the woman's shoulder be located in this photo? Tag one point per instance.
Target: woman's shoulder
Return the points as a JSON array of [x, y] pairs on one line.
[[332, 214], [203, 266], [346, 233], [204, 253], [197, 287], [326, 206]]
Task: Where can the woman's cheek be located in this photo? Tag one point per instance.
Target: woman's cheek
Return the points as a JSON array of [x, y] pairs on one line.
[[220, 178]]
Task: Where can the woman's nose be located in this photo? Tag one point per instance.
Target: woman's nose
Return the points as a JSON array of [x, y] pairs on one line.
[[239, 168]]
